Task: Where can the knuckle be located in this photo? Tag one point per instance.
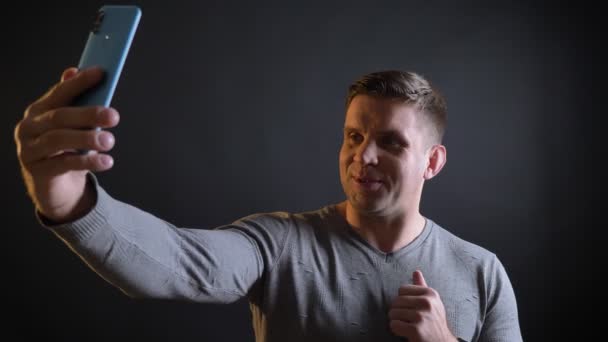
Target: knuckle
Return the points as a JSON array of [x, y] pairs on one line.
[[401, 301], [53, 116], [395, 326], [18, 142], [18, 132], [43, 140], [417, 332], [392, 313], [20, 153], [31, 109], [426, 303]]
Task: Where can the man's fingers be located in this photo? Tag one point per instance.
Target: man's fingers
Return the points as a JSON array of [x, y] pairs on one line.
[[418, 278], [65, 162], [401, 328], [413, 290], [68, 73], [411, 302], [63, 93], [405, 315], [57, 141], [68, 117]]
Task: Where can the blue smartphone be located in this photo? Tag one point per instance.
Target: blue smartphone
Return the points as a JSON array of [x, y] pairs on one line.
[[107, 47]]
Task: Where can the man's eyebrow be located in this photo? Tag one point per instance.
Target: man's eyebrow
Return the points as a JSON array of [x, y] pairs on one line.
[[395, 133], [385, 132], [392, 132]]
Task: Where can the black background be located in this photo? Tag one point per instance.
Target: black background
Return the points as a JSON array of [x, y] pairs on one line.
[[230, 108]]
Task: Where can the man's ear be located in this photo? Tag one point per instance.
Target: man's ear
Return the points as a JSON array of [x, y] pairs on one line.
[[437, 157]]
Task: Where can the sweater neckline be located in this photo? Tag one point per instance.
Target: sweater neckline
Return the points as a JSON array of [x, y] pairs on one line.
[[340, 221]]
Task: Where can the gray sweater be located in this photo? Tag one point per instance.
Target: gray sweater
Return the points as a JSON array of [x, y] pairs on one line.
[[307, 276]]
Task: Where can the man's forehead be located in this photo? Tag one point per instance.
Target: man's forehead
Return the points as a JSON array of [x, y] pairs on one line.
[[374, 112]]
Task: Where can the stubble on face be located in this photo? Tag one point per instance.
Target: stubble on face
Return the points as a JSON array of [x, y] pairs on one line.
[[391, 161]]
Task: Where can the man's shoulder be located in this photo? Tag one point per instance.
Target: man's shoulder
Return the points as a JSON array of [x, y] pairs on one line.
[[462, 248], [284, 217]]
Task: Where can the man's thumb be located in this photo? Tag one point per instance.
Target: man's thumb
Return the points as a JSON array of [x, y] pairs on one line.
[[418, 279]]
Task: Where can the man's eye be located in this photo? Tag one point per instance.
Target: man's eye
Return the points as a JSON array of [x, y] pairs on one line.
[[391, 142], [355, 137]]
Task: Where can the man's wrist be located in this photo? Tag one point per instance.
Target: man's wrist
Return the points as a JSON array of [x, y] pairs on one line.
[[85, 204]]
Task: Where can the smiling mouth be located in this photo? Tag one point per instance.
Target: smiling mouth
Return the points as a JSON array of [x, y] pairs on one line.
[[367, 180], [367, 184]]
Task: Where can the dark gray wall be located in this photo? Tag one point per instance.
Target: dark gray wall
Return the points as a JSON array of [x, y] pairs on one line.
[[234, 108]]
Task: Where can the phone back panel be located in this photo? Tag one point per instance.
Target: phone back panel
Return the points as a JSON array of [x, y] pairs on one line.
[[107, 46]]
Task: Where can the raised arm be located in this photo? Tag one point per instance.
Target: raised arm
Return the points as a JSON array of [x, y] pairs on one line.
[[145, 256], [134, 250]]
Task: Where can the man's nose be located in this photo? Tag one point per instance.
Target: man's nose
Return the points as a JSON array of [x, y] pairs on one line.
[[367, 153]]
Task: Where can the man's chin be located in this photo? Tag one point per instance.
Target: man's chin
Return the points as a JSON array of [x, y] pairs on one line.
[[366, 206]]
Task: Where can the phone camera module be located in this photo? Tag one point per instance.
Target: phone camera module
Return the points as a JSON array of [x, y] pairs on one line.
[[98, 20]]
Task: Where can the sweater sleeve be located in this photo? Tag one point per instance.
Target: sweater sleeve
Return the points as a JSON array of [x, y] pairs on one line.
[[145, 256], [501, 322]]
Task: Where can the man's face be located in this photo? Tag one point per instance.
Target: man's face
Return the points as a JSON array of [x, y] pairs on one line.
[[383, 156]]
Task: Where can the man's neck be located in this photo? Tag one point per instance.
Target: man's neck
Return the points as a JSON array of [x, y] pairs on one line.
[[388, 234]]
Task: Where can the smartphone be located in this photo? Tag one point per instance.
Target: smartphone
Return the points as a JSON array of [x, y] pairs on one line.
[[107, 47]]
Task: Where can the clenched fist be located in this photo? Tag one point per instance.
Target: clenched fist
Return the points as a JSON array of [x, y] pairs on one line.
[[418, 313]]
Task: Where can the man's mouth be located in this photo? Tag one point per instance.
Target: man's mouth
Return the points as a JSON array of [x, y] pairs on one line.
[[368, 183], [367, 180]]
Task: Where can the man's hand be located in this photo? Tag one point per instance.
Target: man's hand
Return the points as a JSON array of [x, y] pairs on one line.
[[418, 313], [48, 138]]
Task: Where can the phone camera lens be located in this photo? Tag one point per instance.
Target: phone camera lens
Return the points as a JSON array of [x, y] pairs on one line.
[[98, 21]]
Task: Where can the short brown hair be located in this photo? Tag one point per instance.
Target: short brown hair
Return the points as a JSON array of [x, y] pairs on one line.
[[411, 88]]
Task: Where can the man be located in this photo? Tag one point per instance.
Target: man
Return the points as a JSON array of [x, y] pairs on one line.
[[371, 268]]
